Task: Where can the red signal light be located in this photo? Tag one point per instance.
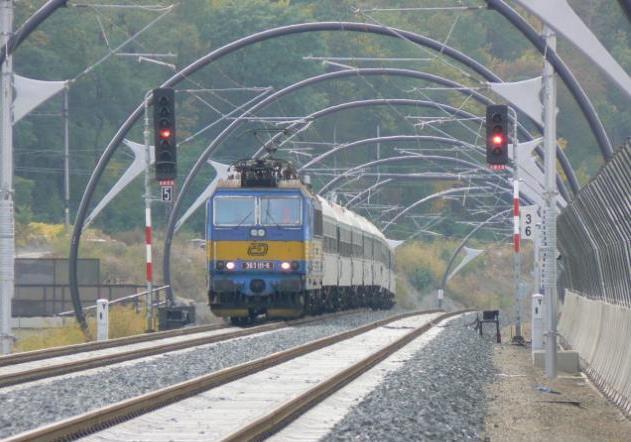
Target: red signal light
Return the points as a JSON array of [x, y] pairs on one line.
[[165, 133], [497, 139]]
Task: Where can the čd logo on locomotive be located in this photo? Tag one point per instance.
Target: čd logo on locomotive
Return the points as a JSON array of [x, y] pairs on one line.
[[257, 249]]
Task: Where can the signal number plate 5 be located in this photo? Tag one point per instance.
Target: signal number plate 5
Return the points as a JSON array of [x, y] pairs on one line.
[[258, 265]]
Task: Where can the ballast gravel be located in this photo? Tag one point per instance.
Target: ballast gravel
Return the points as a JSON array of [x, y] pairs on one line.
[[33, 406], [438, 395]]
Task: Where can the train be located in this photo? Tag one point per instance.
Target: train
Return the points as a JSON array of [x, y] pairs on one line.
[[276, 248]]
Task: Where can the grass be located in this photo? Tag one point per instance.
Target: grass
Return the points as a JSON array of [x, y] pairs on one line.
[[123, 321], [486, 282]]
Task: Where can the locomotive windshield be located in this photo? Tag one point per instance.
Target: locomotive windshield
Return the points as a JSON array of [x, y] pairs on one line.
[[280, 211], [234, 210]]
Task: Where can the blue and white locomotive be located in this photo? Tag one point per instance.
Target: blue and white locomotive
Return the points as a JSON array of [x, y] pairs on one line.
[[276, 248]]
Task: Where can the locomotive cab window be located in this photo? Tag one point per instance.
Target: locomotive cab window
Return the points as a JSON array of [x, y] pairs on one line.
[[281, 211], [234, 210]]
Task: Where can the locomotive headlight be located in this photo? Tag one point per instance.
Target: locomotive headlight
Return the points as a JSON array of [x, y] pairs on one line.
[[254, 232], [261, 232], [230, 265], [285, 265], [294, 265], [221, 265]]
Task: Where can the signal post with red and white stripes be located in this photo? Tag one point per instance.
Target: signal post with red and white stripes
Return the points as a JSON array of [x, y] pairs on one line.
[[516, 234], [516, 250], [148, 228]]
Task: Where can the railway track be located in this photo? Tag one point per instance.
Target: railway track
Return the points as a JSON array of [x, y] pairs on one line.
[[380, 339], [32, 366], [47, 353]]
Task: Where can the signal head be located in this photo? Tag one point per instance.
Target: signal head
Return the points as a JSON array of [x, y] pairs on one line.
[[497, 130]]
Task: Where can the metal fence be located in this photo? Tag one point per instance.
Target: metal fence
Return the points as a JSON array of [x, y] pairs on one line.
[[594, 235], [49, 300], [42, 288], [54, 271]]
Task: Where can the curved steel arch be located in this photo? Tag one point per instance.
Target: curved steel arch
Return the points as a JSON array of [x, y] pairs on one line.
[[563, 160], [30, 25], [388, 179], [407, 158], [386, 139], [431, 176], [246, 41], [369, 189], [464, 241], [389, 139], [562, 188], [587, 108], [429, 198]]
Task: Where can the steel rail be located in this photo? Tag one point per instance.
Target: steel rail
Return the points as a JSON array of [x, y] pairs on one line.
[[290, 411], [123, 356], [36, 355], [110, 415]]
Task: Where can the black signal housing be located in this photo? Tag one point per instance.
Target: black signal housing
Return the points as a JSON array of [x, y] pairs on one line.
[[164, 134], [497, 135]]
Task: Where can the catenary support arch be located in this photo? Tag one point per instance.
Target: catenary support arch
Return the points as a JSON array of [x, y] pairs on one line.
[[443, 281], [397, 138], [390, 178], [458, 176], [407, 158], [564, 72], [561, 156], [253, 39], [526, 191], [30, 25], [563, 160], [388, 139], [429, 198]]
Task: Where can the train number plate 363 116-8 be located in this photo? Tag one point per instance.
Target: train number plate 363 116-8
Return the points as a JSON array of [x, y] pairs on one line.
[[258, 265]]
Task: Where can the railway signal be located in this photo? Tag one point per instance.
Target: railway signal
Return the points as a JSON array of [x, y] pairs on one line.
[[164, 134], [497, 135]]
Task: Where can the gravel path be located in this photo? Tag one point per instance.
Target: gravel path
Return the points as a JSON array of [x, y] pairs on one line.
[[29, 407], [437, 395]]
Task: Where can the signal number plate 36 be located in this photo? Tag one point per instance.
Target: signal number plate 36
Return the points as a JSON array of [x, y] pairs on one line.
[[258, 265]]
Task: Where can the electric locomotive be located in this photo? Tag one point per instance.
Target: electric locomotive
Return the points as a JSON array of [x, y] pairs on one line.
[[276, 248]]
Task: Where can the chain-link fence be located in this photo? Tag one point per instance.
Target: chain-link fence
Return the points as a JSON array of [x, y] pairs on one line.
[[594, 235]]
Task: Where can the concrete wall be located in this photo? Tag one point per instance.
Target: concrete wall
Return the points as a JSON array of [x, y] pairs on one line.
[[601, 333]]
